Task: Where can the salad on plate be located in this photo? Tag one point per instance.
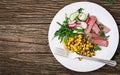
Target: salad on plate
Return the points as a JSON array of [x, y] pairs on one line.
[[82, 33]]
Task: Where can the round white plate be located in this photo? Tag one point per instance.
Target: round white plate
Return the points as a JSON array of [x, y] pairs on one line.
[[104, 17]]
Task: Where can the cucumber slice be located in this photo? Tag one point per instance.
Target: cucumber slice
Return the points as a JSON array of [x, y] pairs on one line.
[[75, 31], [79, 27], [74, 15]]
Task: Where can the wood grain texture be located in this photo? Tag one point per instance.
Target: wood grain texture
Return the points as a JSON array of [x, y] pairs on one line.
[[24, 26]]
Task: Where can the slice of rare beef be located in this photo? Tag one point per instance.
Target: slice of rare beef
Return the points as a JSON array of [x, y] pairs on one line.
[[90, 23], [100, 42], [95, 28]]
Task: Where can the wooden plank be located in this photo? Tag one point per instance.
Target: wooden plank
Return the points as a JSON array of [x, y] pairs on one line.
[[22, 12], [19, 47], [42, 64], [24, 46]]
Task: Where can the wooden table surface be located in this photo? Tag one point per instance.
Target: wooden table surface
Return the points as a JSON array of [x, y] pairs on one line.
[[24, 46]]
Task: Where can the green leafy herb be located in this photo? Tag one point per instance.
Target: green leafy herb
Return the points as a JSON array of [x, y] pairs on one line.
[[64, 32], [100, 26], [59, 23], [80, 10], [96, 47], [77, 19], [107, 36], [102, 33]]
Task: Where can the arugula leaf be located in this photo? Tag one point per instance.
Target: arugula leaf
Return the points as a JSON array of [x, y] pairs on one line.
[[108, 36], [77, 19], [64, 31], [96, 47], [59, 23], [80, 10], [102, 33], [65, 38]]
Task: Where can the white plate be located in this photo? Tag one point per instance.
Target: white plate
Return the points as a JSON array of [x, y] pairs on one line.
[[106, 53]]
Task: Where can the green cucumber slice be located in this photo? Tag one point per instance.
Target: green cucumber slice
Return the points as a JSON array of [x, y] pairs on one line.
[[74, 15]]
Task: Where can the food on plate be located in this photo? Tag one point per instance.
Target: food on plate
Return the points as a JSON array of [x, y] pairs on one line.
[[82, 33]]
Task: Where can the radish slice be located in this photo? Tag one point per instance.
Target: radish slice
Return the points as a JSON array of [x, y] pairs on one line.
[[72, 25], [83, 25], [83, 16], [71, 22], [78, 23]]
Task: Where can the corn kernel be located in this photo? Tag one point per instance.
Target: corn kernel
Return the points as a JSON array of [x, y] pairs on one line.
[[71, 39], [83, 48], [87, 45], [84, 45], [87, 48], [79, 36]]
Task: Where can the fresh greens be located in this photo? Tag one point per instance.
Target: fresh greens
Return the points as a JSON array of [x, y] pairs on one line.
[[77, 19], [64, 32], [80, 10], [96, 47], [102, 33]]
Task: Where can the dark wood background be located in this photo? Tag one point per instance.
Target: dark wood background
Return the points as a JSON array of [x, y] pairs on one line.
[[24, 46]]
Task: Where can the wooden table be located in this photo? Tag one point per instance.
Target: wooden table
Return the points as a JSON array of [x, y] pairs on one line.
[[24, 46]]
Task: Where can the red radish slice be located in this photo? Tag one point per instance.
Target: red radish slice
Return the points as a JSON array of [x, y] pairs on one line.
[[71, 22], [90, 24], [95, 28], [100, 42], [106, 29], [78, 23], [74, 24]]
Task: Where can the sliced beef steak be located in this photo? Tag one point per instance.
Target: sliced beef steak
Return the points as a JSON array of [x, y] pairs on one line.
[[90, 23]]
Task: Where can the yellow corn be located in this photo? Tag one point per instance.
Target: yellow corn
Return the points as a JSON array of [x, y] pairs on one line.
[[71, 39]]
